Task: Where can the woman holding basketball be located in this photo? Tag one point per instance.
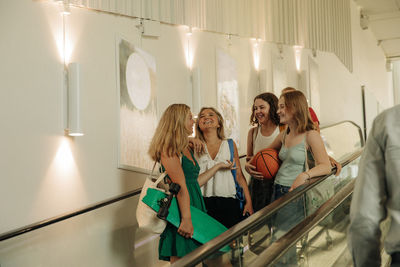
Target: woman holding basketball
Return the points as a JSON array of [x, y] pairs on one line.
[[293, 143], [216, 179], [264, 116]]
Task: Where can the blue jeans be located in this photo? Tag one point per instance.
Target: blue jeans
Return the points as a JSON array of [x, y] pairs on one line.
[[285, 219]]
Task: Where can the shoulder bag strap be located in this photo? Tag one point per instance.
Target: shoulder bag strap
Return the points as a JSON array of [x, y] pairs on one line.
[[234, 171], [305, 153], [239, 189], [284, 136], [152, 170], [232, 150], [162, 175], [306, 148]]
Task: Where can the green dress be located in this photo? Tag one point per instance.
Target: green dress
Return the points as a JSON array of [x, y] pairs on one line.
[[171, 243]]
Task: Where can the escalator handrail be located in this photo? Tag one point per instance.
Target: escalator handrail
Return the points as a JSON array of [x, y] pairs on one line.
[[256, 219], [43, 223], [282, 245]]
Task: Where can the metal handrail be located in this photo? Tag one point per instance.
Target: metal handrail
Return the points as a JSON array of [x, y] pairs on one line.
[[282, 245], [41, 224], [256, 219]]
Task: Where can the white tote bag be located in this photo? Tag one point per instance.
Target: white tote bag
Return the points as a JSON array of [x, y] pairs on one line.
[[146, 216]]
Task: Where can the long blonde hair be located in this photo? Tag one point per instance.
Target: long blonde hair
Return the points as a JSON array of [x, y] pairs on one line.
[[296, 103], [171, 136], [220, 130]]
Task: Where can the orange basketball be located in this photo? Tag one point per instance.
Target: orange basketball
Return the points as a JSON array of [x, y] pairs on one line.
[[267, 162]]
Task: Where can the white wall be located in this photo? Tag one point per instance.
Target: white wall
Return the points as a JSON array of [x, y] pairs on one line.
[[44, 173], [369, 62]]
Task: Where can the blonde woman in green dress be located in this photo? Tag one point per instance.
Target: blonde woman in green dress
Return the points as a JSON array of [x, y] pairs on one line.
[[169, 143]]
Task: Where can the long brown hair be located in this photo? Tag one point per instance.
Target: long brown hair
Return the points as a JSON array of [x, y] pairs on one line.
[[296, 103], [220, 130], [272, 100], [171, 136]]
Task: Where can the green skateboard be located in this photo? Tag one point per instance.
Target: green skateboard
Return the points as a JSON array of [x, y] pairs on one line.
[[205, 227]]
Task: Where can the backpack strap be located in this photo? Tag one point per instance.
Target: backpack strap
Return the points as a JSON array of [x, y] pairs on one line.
[[309, 161], [239, 189], [284, 136]]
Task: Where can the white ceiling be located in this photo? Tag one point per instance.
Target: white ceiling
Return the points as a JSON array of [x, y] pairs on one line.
[[383, 19]]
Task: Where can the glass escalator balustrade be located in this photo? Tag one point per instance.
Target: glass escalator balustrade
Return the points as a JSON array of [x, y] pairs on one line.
[[248, 246]]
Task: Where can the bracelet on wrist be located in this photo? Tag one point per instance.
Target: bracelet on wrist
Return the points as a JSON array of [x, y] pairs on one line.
[[309, 176]]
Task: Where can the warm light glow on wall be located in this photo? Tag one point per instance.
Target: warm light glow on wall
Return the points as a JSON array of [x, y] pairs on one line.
[[256, 53], [62, 188], [68, 46], [188, 45], [61, 37], [63, 34], [58, 37], [189, 51], [64, 161], [297, 56]]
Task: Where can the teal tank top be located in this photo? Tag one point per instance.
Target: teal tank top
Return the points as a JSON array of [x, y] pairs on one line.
[[293, 163]]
